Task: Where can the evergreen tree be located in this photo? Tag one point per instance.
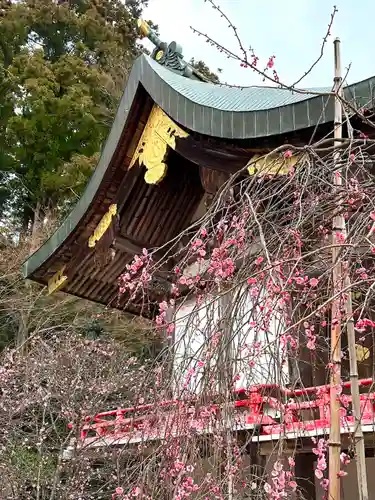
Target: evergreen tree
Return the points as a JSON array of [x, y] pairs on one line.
[[204, 70], [63, 65]]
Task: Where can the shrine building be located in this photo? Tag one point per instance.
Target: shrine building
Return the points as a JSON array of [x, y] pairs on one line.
[[175, 140]]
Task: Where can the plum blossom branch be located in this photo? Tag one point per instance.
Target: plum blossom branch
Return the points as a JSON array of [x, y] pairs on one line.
[[244, 61], [322, 48]]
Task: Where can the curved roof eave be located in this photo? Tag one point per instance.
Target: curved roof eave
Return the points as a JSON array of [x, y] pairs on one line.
[[223, 112], [240, 113]]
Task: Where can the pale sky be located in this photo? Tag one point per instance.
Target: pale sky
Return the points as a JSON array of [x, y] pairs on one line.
[[292, 30]]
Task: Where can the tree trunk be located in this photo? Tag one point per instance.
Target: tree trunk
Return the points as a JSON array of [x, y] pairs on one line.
[[23, 331]]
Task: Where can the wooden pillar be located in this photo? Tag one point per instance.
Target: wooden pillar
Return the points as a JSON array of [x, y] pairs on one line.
[[303, 361], [304, 469], [305, 476], [169, 341], [225, 382], [257, 469], [308, 367]]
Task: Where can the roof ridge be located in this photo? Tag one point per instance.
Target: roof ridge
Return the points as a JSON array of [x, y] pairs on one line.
[[170, 55]]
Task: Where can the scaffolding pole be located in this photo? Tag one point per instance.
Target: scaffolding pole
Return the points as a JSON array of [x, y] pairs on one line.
[[337, 226], [356, 407], [341, 278]]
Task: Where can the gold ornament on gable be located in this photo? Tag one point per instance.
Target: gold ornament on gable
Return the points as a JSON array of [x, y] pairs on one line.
[[103, 225], [158, 135], [57, 281], [271, 164]]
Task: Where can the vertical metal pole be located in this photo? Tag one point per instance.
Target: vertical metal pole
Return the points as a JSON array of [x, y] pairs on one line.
[[356, 407], [338, 226]]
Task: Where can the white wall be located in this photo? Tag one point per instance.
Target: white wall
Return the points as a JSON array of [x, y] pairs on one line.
[[196, 327]]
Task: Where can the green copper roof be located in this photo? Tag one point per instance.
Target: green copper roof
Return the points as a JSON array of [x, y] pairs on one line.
[[205, 108], [236, 113], [227, 98]]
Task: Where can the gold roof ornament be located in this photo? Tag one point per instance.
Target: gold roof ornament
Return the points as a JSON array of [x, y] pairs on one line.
[[159, 133], [57, 281], [362, 353], [103, 225], [159, 54], [272, 164], [143, 28]]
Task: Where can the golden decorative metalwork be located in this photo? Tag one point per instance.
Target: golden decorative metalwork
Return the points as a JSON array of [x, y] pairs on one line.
[[159, 133], [159, 54], [271, 164], [57, 281], [143, 27], [103, 225], [362, 353]]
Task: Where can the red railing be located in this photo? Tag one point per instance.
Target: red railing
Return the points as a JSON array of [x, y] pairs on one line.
[[271, 410]]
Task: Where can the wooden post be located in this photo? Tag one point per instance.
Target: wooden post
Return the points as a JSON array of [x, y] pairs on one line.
[[257, 468], [226, 380], [338, 226], [169, 342], [305, 476]]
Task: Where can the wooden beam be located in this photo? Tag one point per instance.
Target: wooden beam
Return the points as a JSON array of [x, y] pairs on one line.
[[127, 245]]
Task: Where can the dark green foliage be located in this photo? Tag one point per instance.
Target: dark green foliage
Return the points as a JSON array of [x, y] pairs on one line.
[[62, 70], [205, 70]]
